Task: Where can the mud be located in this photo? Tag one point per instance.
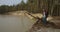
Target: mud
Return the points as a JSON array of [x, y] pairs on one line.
[[51, 26]]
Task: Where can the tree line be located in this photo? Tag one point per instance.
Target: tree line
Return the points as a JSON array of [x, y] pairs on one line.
[[33, 6], [6, 8]]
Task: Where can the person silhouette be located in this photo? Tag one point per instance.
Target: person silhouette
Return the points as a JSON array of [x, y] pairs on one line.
[[45, 15]]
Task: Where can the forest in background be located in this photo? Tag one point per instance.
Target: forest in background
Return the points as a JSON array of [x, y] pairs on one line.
[[34, 6]]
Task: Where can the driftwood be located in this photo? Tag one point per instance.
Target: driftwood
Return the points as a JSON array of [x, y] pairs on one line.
[[40, 23], [36, 26], [30, 15]]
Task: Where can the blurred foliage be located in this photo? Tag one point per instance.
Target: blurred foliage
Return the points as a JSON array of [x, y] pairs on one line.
[[34, 6]]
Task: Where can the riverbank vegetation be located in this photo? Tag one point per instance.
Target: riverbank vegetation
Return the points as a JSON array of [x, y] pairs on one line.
[[34, 6]]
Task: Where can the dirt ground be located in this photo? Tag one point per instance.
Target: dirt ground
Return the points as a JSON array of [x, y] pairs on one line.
[[51, 26]]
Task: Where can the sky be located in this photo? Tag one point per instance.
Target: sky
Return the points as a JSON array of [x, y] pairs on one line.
[[10, 2]]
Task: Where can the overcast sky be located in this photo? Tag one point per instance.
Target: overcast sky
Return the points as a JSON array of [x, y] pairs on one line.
[[10, 2]]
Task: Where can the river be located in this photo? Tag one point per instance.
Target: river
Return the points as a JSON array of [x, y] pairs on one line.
[[16, 23], [12, 23]]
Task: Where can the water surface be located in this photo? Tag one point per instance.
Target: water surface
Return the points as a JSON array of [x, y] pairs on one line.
[[9, 23]]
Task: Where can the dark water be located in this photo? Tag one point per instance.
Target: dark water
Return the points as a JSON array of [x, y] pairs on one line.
[[10, 23]]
